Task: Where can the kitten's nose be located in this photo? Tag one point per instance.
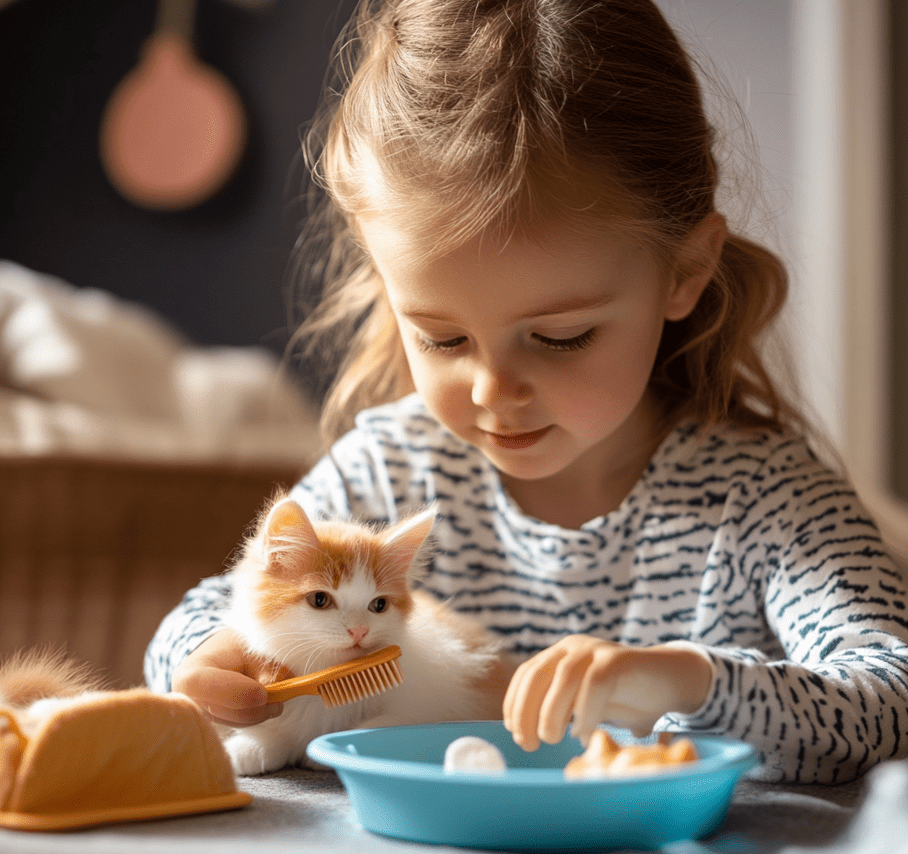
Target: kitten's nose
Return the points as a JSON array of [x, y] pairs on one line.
[[358, 634]]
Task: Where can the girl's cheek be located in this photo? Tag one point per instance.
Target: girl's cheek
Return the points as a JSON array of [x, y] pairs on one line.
[[424, 377], [432, 385]]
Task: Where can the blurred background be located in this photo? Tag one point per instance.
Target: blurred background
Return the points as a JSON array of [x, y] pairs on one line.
[[217, 270]]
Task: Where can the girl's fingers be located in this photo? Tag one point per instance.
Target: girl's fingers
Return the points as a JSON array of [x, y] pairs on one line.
[[597, 703], [524, 699], [515, 689], [227, 683], [243, 717], [544, 692], [560, 701], [227, 697], [594, 704], [226, 688], [516, 714], [598, 681], [624, 689]]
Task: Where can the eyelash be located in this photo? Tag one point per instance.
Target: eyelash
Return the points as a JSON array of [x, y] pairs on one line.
[[427, 345], [578, 342]]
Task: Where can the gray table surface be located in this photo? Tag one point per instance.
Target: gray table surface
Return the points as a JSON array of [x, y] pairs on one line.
[[299, 810]]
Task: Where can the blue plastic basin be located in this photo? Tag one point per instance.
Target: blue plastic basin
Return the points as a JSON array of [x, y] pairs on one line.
[[398, 787]]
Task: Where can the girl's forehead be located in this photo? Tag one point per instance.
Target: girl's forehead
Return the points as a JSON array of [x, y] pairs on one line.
[[414, 248], [546, 274]]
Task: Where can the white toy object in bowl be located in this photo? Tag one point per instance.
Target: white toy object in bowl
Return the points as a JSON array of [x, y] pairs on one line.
[[472, 754]]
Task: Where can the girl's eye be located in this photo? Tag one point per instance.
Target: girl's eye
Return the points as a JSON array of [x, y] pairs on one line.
[[578, 342], [378, 605], [429, 345], [320, 600]]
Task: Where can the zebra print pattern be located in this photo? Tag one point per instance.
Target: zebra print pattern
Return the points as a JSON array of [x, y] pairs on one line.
[[742, 543]]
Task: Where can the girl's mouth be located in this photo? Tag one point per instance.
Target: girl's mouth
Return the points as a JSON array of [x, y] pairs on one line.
[[517, 441]]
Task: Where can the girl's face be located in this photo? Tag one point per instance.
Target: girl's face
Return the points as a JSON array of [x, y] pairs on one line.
[[538, 353]]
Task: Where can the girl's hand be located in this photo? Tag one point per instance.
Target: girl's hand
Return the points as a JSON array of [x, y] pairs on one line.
[[597, 681], [227, 682]]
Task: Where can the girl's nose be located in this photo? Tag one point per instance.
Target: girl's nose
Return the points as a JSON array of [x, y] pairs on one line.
[[358, 633], [499, 388]]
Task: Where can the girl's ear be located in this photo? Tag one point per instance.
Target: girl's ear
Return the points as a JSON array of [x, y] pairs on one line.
[[288, 532], [695, 265], [406, 543]]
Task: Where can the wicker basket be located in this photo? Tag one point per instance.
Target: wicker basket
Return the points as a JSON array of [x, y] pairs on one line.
[[94, 553]]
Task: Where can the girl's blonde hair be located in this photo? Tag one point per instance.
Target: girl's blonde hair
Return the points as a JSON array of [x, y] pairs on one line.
[[454, 117]]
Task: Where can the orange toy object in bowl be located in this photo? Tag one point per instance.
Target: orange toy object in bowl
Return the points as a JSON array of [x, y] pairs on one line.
[[605, 758]]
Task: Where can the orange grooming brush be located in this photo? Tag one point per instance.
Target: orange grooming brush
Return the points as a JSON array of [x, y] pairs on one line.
[[344, 683]]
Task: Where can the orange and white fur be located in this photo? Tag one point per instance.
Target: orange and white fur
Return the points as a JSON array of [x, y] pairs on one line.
[[310, 596], [36, 683]]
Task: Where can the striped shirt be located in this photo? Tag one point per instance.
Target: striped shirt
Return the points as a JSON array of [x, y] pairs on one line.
[[741, 542]]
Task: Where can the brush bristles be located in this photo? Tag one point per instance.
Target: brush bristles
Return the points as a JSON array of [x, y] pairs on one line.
[[357, 686]]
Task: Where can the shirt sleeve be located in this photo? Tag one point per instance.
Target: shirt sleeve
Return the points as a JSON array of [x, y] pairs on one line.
[[836, 703], [198, 616]]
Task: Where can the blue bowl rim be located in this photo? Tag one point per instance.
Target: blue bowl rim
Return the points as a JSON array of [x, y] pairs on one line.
[[733, 756]]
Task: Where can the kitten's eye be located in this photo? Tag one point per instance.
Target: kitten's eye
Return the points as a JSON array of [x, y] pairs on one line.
[[378, 605], [320, 600]]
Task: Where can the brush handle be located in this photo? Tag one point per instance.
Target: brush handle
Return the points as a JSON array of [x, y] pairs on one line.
[[309, 684], [297, 686]]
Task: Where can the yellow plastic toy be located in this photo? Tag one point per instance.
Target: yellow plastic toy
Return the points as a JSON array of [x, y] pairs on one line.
[[112, 757]]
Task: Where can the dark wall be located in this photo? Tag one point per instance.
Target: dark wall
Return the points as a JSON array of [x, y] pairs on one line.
[[217, 271]]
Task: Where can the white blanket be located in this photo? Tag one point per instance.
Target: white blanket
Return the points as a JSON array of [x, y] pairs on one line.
[[83, 372]]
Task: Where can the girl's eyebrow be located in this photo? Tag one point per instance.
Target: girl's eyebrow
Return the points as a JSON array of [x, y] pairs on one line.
[[570, 305]]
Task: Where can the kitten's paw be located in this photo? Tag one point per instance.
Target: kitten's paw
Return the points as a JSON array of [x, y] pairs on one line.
[[249, 756], [254, 752]]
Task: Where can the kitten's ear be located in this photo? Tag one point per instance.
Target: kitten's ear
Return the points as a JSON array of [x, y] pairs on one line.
[[288, 531], [407, 542]]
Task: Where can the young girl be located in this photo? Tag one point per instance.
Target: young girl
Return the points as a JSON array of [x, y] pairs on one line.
[[559, 340]]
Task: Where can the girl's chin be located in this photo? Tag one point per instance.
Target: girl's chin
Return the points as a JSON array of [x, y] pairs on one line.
[[543, 466]]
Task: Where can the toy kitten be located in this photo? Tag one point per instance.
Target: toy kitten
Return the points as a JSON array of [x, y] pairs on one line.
[[312, 595]]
